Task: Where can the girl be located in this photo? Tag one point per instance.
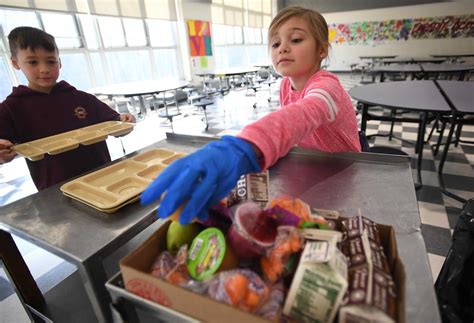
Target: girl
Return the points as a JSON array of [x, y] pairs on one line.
[[316, 112]]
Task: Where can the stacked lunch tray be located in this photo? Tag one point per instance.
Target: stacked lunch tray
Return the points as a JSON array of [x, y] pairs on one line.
[[110, 188]]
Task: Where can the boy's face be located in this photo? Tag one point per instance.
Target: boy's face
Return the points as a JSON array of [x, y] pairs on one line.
[[41, 68], [294, 51]]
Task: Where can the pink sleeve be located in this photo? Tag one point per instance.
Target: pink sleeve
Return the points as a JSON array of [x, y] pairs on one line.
[[276, 133]]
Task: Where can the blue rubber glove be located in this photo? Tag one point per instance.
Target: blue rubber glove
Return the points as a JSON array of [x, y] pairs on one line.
[[202, 178]]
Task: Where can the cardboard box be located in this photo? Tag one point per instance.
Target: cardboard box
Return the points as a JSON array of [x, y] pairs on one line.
[[135, 271]]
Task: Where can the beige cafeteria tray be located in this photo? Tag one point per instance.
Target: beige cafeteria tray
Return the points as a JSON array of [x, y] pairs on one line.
[[53, 145], [112, 187]]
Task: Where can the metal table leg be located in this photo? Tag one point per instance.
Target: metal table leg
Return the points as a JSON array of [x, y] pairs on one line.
[[363, 122], [94, 277], [419, 147], [454, 117]]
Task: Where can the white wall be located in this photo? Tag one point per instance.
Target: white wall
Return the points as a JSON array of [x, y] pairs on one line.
[[342, 54], [197, 10]]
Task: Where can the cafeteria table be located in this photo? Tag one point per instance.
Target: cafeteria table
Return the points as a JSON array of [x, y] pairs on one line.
[[412, 60], [375, 58], [141, 88], [380, 187], [417, 96], [454, 57], [446, 69], [460, 96], [347, 182], [224, 73], [383, 70], [78, 234]]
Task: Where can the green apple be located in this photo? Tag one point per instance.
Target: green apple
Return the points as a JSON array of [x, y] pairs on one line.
[[179, 235]]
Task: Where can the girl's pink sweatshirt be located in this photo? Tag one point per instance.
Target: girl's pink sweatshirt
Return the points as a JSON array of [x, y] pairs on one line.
[[321, 117]]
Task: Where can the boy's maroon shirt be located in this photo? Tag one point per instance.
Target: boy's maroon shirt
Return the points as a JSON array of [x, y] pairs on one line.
[[27, 115]]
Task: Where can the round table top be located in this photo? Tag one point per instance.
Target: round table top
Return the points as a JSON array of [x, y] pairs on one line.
[[229, 71], [139, 87], [410, 68], [407, 95], [446, 67], [413, 60], [455, 55], [460, 93], [377, 56]]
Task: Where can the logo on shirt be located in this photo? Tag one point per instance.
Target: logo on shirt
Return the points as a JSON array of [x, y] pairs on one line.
[[80, 113]]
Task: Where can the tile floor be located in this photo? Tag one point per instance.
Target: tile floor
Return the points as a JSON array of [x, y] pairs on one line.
[[227, 116]]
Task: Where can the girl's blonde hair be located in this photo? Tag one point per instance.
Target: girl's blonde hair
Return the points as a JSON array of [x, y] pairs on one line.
[[316, 22]]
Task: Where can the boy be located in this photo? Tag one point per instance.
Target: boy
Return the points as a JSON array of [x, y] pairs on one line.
[[46, 107]]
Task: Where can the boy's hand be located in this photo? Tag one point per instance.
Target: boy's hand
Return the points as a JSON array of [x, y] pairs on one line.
[[127, 117], [6, 154]]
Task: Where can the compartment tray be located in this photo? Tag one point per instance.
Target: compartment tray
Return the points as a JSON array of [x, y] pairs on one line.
[[110, 188], [35, 150]]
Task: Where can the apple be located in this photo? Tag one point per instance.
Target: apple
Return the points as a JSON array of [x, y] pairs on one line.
[[179, 235]]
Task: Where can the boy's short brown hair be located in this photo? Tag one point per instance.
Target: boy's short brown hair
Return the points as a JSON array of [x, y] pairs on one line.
[[316, 22], [29, 37]]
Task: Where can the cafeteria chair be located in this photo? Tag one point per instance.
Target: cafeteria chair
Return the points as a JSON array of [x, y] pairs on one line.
[[169, 116], [203, 106]]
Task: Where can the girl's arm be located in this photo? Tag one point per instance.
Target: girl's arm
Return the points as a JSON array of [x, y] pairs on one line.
[[322, 103]]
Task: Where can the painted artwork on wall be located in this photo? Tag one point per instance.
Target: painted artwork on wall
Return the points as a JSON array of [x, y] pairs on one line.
[[380, 32], [199, 38], [443, 27]]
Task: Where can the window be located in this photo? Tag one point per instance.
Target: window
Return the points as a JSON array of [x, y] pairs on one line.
[[166, 63], [14, 18], [63, 28], [99, 50], [238, 35], [98, 69], [89, 30], [111, 31], [128, 66], [229, 34], [237, 22], [162, 33], [249, 35], [218, 34], [5, 81], [74, 70], [134, 32]]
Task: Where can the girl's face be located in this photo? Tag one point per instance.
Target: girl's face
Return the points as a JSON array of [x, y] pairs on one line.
[[295, 53], [40, 67]]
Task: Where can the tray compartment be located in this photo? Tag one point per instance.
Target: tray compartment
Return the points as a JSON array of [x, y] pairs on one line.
[[90, 194], [151, 172], [60, 146], [110, 188], [89, 138], [119, 129], [100, 126], [173, 158], [129, 186], [153, 156], [66, 141], [113, 174], [29, 151]]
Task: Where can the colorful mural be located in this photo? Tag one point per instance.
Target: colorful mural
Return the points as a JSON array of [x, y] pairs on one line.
[[379, 32], [443, 27], [199, 38]]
